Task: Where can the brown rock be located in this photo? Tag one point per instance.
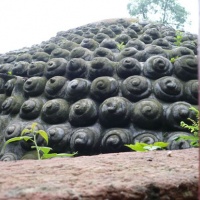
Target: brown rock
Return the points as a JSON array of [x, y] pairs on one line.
[[119, 176]]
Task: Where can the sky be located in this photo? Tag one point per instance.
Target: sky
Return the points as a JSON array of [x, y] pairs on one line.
[[24, 23]]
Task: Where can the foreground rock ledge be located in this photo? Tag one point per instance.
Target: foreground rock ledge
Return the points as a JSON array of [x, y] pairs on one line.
[[119, 176]]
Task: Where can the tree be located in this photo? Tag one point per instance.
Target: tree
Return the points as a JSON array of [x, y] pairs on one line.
[[164, 11]]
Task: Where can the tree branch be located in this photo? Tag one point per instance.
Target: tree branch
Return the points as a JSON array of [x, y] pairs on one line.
[[165, 11]]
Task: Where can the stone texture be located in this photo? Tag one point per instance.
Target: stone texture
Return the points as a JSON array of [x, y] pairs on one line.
[[86, 84], [119, 176]]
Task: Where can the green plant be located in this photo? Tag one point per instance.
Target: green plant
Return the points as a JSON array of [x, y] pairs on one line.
[[121, 46], [172, 60], [9, 72], [144, 147], [194, 129], [178, 38], [42, 151]]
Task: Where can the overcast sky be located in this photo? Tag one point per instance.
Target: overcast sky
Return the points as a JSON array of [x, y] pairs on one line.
[[24, 23]]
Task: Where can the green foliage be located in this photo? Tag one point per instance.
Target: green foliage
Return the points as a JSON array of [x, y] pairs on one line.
[[42, 152], [166, 11], [143, 147], [179, 37], [193, 128], [172, 60], [121, 46], [9, 73]]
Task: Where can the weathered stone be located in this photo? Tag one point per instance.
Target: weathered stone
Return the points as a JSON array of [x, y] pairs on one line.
[[99, 86]]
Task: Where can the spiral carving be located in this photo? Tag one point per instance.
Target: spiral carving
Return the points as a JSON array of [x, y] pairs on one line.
[[76, 68], [153, 50], [153, 32], [40, 56], [147, 113], [80, 52], [77, 88], [177, 112], [59, 137], [55, 111], [168, 89], [104, 87], [104, 52], [114, 140], [157, 66], [2, 84], [11, 105], [30, 155], [162, 42], [100, 67], [136, 43], [122, 38], [85, 141], [146, 137], [31, 108], [186, 67], [36, 68], [147, 39], [9, 157], [181, 51], [34, 86], [2, 99], [99, 37], [110, 44], [24, 57], [89, 43], [55, 67], [20, 68], [191, 91], [68, 45], [128, 67], [55, 87], [9, 86], [60, 53], [136, 88], [97, 87], [10, 58], [115, 111], [175, 145], [13, 130], [83, 113], [128, 52], [5, 68], [136, 27]]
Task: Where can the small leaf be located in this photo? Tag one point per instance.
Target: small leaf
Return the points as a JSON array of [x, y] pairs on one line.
[[26, 138], [136, 147], [67, 154], [43, 134], [33, 126], [50, 155], [25, 131], [161, 144], [55, 155], [194, 144], [45, 150], [185, 137]]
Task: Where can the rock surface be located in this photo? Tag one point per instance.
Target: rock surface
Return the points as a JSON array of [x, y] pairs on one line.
[[119, 176], [100, 86]]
